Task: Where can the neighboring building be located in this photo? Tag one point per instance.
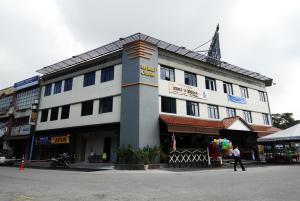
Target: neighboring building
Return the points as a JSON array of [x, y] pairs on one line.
[[20, 118], [140, 90]]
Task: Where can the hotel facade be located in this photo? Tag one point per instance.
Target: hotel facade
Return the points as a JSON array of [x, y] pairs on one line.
[[140, 91]]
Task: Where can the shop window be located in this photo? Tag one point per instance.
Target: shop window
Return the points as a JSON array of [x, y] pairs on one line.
[[213, 111], [107, 74], [54, 114], [68, 84], [65, 112], [244, 92], [192, 108], [89, 79], [48, 89], [168, 105], [231, 112], [247, 116], [266, 119], [44, 116], [210, 84], [87, 108], [57, 87], [167, 73], [106, 105], [190, 79], [227, 88]]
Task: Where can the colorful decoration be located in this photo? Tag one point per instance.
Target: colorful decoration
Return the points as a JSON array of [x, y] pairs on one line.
[[220, 147]]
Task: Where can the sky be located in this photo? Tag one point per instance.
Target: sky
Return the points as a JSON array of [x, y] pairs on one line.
[[262, 36]]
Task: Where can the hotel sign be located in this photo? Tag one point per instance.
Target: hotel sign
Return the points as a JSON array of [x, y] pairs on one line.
[[147, 71], [187, 91]]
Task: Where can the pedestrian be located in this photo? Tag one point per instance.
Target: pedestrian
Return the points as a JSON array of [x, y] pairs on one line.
[[237, 158]]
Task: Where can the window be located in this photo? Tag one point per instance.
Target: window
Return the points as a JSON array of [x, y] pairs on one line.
[[192, 108], [54, 114], [89, 79], [168, 105], [107, 74], [244, 92], [57, 87], [262, 96], [21, 121], [210, 84], [44, 116], [190, 79], [266, 119], [26, 99], [227, 88], [87, 108], [231, 112], [65, 112], [106, 105], [5, 103], [48, 89], [167, 73], [213, 111], [68, 84], [247, 116]]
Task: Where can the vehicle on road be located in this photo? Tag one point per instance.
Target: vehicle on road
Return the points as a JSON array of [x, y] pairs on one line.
[[7, 158], [63, 160]]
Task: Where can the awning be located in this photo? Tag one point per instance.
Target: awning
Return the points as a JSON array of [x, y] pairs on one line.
[[19, 137], [289, 134], [178, 124]]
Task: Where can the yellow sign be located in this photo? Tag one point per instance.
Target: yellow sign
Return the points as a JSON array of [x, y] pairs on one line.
[[64, 139], [147, 71]]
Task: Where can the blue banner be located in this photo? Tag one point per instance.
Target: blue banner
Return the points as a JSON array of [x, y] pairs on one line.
[[26, 83], [237, 99]]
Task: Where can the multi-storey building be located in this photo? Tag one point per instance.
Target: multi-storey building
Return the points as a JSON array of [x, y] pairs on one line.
[[140, 90], [20, 115]]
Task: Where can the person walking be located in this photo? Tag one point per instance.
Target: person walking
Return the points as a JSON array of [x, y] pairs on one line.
[[237, 158]]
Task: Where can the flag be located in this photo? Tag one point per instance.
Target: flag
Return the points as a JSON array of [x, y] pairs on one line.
[[173, 143], [214, 52]]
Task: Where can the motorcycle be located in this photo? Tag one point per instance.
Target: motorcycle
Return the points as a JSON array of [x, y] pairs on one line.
[[64, 160]]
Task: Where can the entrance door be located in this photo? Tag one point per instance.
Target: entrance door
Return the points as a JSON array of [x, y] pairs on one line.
[[107, 148]]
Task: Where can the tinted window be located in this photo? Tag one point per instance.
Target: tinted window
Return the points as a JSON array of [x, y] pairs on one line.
[[57, 87], [89, 79], [68, 84], [167, 73], [107, 74], [192, 108], [87, 108], [65, 111], [54, 114], [190, 79], [168, 105], [44, 116], [48, 88], [106, 105]]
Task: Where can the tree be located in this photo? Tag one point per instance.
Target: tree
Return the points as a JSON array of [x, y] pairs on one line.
[[284, 120]]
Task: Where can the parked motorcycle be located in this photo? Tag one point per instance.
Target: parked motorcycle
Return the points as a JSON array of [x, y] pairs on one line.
[[64, 160]]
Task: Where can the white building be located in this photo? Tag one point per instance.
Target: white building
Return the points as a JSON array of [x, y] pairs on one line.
[[139, 90]]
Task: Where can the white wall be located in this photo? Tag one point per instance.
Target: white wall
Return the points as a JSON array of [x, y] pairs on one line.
[[76, 96], [218, 97]]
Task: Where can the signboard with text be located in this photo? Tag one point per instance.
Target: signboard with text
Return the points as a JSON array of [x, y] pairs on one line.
[[187, 91]]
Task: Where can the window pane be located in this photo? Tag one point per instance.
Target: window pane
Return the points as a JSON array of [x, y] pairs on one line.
[[89, 79], [65, 112], [48, 89], [57, 87], [44, 116], [168, 105], [190, 79], [107, 74], [167, 73], [106, 105], [87, 108], [54, 114], [68, 84]]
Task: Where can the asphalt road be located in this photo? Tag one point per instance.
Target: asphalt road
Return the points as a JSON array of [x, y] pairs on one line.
[[256, 184]]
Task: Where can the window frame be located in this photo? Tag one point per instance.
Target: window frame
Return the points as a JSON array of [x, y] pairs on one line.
[[266, 119], [103, 104], [192, 108], [244, 92], [89, 79], [210, 84], [190, 79], [107, 74], [262, 96], [57, 87], [54, 113], [90, 110], [168, 103], [227, 88], [63, 115], [248, 118], [228, 109], [48, 90], [44, 115], [171, 72], [213, 112], [68, 85]]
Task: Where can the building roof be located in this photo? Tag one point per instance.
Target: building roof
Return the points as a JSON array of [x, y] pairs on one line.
[[118, 45], [211, 126], [289, 134]]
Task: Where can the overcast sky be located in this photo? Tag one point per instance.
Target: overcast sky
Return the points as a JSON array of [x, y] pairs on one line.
[[262, 36]]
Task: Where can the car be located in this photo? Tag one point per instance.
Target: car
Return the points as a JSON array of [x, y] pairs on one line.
[[6, 157]]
